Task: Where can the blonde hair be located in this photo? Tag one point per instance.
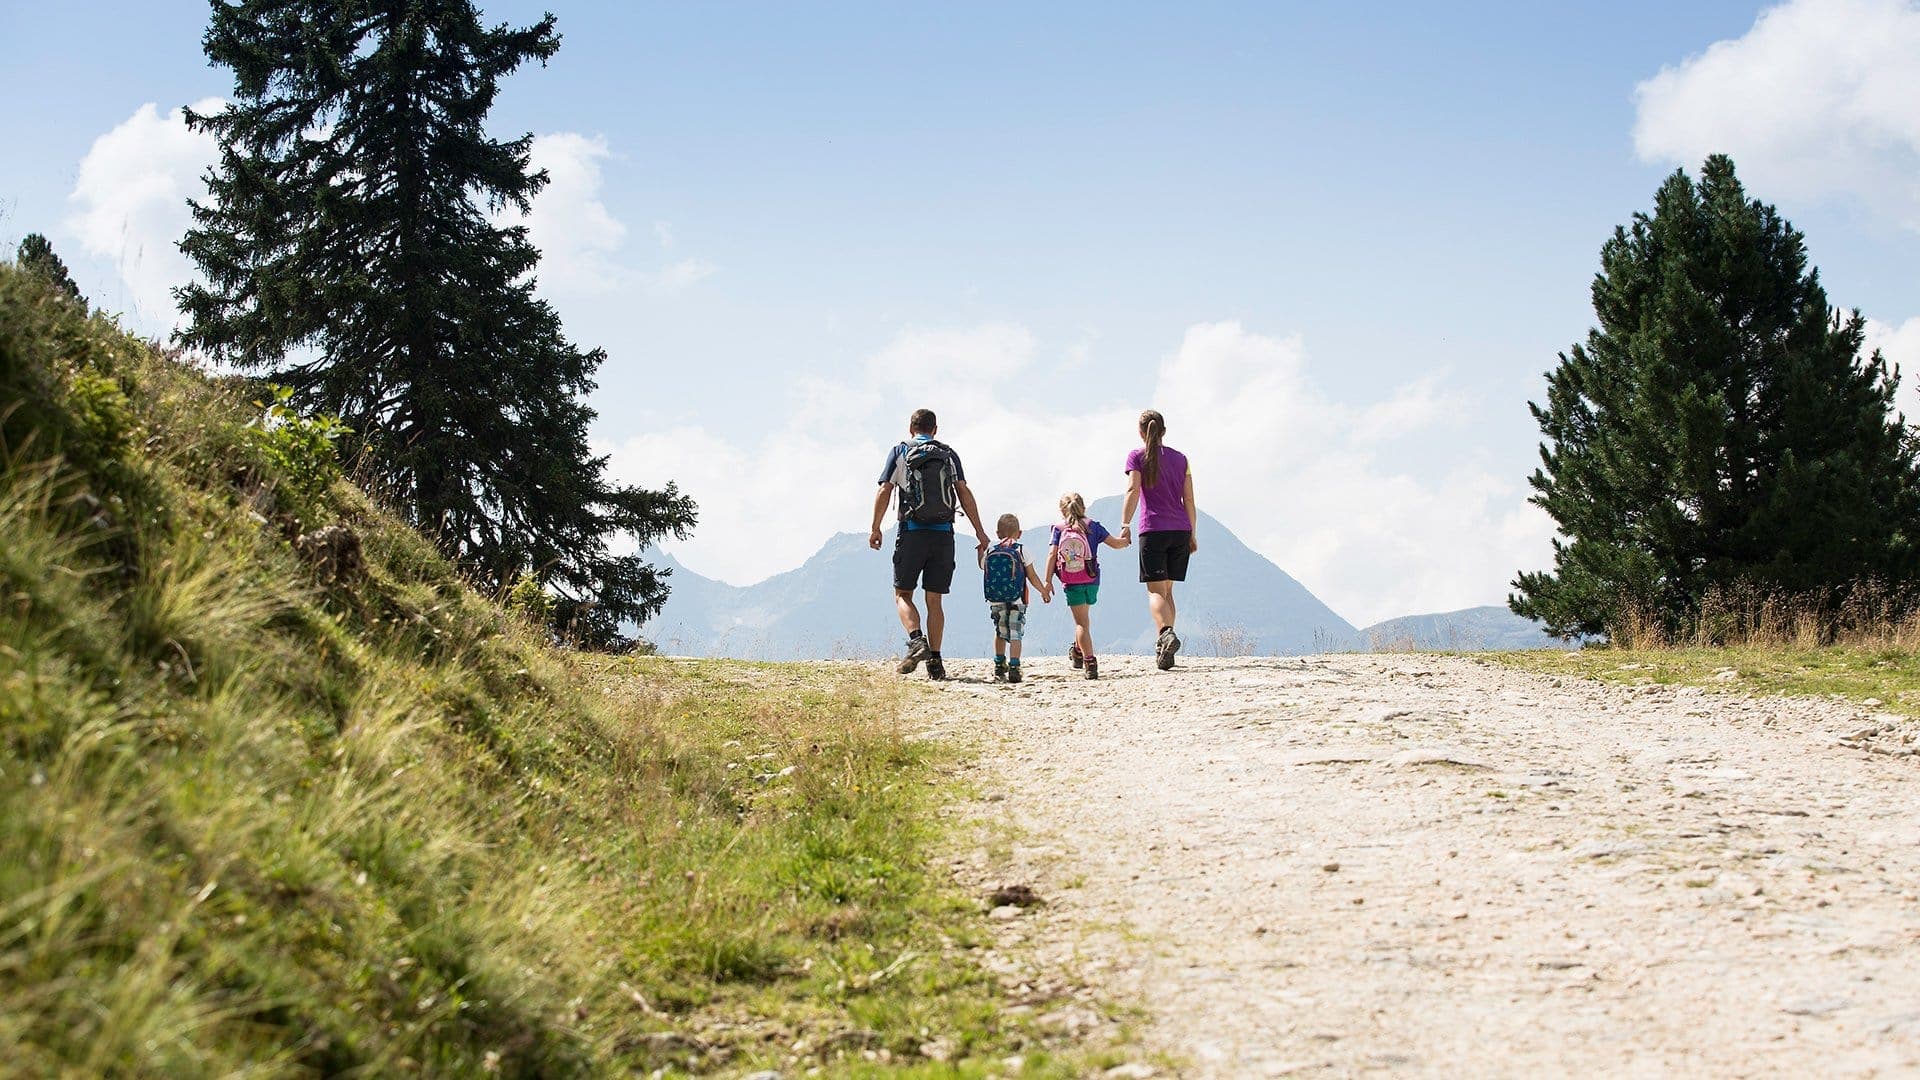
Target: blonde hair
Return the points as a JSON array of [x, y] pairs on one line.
[[1074, 509], [1008, 526], [1153, 428]]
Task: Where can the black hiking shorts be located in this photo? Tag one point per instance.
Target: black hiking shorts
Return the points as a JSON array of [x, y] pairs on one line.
[[923, 555], [1164, 554]]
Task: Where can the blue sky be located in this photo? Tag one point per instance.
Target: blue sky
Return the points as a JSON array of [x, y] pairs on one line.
[[1346, 242]]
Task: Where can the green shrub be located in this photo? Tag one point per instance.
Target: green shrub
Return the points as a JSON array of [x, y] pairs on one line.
[[302, 451], [530, 600], [102, 417]]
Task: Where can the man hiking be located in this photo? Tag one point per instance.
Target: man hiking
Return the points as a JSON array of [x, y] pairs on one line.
[[932, 488]]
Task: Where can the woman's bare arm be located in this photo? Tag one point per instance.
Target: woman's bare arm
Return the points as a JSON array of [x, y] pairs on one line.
[[1193, 514]]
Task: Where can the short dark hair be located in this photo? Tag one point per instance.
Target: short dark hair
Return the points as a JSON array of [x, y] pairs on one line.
[[922, 422]]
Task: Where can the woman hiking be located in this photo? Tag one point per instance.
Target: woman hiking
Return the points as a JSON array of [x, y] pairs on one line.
[[1159, 483]]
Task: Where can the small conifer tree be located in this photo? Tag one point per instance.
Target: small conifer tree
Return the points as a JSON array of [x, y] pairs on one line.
[[36, 254]]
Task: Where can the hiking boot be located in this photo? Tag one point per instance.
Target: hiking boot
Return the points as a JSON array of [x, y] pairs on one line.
[[1000, 670], [1164, 648], [917, 650], [936, 670], [1073, 654], [1093, 667], [1013, 674]]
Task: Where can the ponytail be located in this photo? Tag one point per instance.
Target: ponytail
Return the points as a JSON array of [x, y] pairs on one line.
[[1153, 428], [1073, 509]]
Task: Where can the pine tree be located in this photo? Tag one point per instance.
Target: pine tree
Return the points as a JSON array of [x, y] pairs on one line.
[[1718, 429], [350, 254], [36, 254]]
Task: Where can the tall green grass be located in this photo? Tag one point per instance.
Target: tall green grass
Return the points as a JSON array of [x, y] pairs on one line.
[[256, 820]]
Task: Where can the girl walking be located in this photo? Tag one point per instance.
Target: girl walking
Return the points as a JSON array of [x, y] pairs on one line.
[[1074, 555], [1159, 483]]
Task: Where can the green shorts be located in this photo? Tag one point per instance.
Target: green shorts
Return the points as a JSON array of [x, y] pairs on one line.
[[1082, 594]]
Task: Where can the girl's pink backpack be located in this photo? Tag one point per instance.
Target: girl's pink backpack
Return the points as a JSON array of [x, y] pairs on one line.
[[1075, 557]]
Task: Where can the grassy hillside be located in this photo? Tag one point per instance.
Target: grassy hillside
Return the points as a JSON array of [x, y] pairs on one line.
[[269, 808]]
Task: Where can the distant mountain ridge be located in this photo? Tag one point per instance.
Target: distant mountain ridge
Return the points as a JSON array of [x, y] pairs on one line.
[[1468, 630], [1235, 602], [839, 604]]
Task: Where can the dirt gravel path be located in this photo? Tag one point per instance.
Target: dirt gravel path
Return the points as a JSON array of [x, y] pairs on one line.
[[1436, 866]]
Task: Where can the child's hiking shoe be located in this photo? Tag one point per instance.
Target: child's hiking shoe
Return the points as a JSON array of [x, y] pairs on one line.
[[917, 650], [1093, 667], [1000, 670], [1164, 648], [1013, 674], [1073, 654], [936, 670]]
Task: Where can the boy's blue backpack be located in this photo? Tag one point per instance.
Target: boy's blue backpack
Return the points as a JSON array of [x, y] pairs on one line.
[[1004, 573]]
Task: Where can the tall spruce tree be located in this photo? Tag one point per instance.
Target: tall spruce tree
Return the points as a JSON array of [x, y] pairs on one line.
[[36, 253], [350, 254], [1719, 428]]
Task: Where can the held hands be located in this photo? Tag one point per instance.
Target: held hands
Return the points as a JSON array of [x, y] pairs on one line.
[[1046, 592], [1126, 536]]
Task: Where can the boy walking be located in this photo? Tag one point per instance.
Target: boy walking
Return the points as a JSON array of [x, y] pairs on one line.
[[1006, 575], [933, 489]]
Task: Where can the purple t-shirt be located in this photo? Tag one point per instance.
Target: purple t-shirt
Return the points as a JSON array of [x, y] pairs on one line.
[[1096, 535], [1163, 507]]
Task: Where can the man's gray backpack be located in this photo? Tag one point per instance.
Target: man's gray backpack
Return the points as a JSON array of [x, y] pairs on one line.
[[929, 483]]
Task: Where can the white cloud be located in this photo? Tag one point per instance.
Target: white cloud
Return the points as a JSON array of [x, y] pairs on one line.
[[1305, 480], [1079, 354], [130, 203], [580, 240], [1900, 345], [679, 275], [1298, 476], [1820, 98], [981, 355]]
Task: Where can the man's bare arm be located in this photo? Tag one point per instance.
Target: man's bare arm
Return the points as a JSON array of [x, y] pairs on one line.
[[973, 513], [879, 514]]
